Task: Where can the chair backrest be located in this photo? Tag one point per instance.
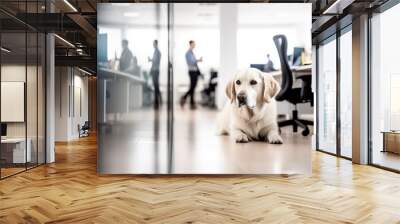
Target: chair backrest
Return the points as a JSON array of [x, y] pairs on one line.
[[86, 125], [287, 76]]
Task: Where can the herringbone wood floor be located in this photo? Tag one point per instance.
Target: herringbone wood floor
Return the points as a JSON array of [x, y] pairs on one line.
[[70, 191]]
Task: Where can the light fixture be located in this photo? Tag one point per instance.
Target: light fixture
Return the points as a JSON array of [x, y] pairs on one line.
[[70, 5], [84, 71], [5, 50], [64, 40], [120, 4], [131, 14], [337, 7]]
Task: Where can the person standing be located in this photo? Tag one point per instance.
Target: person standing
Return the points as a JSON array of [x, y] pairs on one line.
[[269, 66], [126, 59], [155, 74], [194, 74]]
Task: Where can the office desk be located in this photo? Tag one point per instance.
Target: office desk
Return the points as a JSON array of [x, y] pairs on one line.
[[13, 150], [391, 141], [118, 92], [296, 70], [115, 74]]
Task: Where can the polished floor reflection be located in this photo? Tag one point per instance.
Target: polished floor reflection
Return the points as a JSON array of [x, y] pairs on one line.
[[138, 145], [386, 159]]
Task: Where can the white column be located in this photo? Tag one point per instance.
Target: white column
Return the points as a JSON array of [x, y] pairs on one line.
[[360, 90], [228, 48], [64, 101], [50, 98]]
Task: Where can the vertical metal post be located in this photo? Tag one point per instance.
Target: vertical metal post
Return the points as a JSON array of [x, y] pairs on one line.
[[170, 93], [369, 96], [0, 94], [338, 93], [316, 103], [26, 87]]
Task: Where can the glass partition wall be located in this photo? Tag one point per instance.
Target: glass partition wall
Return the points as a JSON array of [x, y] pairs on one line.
[[22, 94], [334, 104], [385, 89]]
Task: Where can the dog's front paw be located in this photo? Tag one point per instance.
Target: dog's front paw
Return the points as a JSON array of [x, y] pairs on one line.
[[274, 138], [241, 138]]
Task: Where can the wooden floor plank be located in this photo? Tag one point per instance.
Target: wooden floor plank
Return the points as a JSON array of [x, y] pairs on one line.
[[70, 191]]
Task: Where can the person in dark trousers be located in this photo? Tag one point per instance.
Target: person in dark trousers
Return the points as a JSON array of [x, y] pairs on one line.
[[194, 74], [155, 74], [126, 59]]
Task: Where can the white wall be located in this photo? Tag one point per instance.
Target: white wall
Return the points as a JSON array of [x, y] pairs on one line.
[[33, 125], [15, 73], [69, 82]]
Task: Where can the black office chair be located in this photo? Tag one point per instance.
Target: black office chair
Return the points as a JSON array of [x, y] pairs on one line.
[[84, 129], [290, 94]]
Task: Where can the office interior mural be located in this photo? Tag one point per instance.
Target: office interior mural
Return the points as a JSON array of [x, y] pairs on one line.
[[167, 71]]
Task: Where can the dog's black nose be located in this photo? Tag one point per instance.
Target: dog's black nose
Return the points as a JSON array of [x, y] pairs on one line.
[[241, 97]]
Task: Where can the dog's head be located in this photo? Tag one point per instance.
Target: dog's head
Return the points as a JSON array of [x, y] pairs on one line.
[[251, 88]]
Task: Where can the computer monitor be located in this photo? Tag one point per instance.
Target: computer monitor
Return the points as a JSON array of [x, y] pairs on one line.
[[102, 56], [258, 66], [3, 129], [296, 58]]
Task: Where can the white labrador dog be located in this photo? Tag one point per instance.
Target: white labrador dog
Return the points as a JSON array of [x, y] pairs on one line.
[[250, 114]]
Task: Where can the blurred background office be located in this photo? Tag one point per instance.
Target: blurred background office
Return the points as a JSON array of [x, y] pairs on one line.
[[227, 37]]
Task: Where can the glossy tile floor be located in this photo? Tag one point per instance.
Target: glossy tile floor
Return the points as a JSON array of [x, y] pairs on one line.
[[137, 144]]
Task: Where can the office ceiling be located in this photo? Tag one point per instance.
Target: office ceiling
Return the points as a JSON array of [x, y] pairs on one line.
[[76, 20], [196, 14]]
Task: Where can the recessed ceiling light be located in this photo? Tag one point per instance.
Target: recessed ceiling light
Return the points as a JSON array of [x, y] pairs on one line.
[[84, 71], [120, 4], [5, 50], [131, 14], [70, 5], [64, 40]]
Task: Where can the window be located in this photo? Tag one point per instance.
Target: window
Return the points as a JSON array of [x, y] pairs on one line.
[[346, 94], [385, 89], [327, 97]]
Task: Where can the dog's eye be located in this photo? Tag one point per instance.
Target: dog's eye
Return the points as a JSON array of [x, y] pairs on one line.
[[253, 82], [237, 82]]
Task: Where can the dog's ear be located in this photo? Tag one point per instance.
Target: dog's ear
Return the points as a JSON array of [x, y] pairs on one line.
[[271, 87], [230, 91]]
